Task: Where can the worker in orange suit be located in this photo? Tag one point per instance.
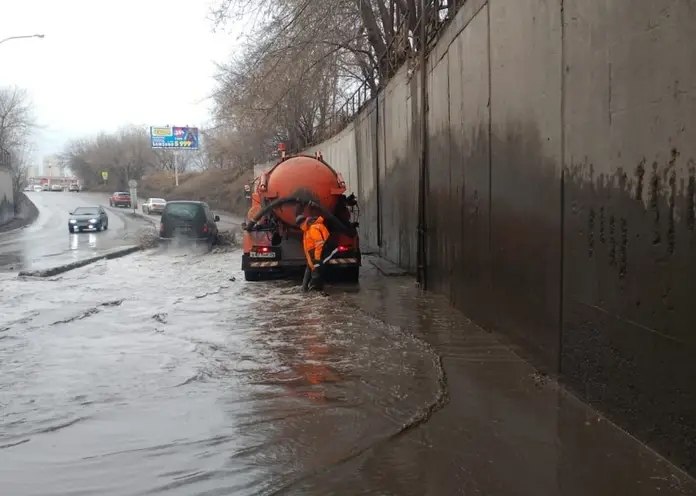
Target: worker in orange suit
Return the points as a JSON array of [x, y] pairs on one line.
[[314, 239]]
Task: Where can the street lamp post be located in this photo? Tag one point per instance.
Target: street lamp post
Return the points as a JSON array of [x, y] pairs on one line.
[[20, 37]]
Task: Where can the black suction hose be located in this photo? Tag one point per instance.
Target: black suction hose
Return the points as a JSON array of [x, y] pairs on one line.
[[341, 226]]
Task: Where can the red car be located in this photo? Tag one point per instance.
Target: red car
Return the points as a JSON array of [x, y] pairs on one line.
[[120, 199]]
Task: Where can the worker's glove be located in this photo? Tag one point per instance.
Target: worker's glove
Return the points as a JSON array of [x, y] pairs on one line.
[[317, 265]]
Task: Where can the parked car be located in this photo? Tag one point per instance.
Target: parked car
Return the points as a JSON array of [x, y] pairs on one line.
[[45, 187], [38, 188], [56, 187], [74, 187], [154, 205], [120, 199], [189, 220], [88, 218]]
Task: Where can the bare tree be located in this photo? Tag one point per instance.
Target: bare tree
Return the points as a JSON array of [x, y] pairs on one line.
[[17, 119], [17, 122], [124, 155], [179, 160], [20, 158], [308, 65]]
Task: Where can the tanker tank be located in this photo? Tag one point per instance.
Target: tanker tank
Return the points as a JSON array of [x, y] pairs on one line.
[[304, 177]]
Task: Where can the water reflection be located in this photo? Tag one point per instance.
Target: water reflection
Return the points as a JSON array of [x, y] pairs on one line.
[[331, 387], [82, 240]]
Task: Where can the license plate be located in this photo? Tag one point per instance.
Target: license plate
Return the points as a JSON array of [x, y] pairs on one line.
[[182, 230], [269, 254]]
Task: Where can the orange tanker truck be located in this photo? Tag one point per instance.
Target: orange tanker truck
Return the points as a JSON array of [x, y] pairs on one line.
[[298, 184]]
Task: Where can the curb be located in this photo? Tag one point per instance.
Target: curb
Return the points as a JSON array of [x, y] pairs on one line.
[[146, 217], [122, 252], [387, 268]]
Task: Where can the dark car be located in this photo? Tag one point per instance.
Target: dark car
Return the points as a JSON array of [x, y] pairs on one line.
[[189, 220], [88, 218], [120, 199]]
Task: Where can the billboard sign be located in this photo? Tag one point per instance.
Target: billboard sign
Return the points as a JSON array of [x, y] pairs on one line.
[[174, 137]]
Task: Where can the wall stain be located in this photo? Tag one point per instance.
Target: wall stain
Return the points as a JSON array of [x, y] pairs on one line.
[[672, 181], [628, 340], [612, 241], [691, 197], [640, 174], [623, 250], [590, 233], [654, 204]]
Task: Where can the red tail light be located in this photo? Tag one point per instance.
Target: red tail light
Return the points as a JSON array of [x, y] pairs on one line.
[[161, 227], [261, 249], [342, 248], [205, 228]]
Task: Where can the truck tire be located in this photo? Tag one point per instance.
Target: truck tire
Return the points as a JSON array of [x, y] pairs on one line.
[[351, 274], [252, 275]]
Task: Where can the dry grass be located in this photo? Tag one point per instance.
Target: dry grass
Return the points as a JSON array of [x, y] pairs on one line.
[[222, 189]]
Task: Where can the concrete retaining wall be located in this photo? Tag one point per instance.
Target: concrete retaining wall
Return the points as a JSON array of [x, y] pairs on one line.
[[6, 196], [561, 202]]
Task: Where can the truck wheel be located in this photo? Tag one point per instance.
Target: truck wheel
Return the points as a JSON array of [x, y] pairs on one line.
[[352, 274], [251, 275]]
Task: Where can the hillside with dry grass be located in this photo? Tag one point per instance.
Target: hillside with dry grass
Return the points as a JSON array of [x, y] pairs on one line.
[[222, 189]]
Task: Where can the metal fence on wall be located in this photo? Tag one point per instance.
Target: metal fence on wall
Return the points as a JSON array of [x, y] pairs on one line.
[[404, 47]]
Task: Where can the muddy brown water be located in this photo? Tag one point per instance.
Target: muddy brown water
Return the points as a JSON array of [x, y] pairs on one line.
[[166, 373]]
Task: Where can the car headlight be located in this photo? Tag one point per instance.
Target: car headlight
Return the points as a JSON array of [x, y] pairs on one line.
[[92, 221], [73, 221]]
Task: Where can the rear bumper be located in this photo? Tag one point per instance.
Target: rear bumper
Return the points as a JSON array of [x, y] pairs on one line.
[[270, 265], [186, 239], [121, 203]]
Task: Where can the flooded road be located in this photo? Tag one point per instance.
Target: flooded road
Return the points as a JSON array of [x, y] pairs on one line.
[[47, 241], [166, 373]]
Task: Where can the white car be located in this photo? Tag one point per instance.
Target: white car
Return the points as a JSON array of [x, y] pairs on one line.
[[38, 188], [57, 187], [154, 205]]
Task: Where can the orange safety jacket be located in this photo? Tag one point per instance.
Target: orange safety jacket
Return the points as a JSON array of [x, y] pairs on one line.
[[313, 240]]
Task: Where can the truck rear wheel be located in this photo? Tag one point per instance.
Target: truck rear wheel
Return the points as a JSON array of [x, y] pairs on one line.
[[351, 274], [252, 275]]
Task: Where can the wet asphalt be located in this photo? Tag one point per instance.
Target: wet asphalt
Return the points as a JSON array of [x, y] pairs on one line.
[[164, 372], [47, 242]]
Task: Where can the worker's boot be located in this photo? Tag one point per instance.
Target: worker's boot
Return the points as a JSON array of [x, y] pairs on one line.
[[306, 279], [316, 282]]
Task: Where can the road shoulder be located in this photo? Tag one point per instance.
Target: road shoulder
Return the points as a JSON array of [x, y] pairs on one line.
[[27, 215]]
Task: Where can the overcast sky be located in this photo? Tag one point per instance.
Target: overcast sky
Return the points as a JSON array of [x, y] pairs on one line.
[[105, 64]]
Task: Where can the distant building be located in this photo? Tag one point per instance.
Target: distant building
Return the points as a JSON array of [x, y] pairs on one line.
[[51, 166], [33, 171]]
